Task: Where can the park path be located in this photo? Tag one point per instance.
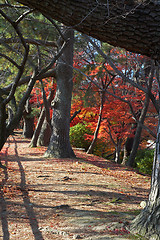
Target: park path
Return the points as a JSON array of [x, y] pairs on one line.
[[84, 198]]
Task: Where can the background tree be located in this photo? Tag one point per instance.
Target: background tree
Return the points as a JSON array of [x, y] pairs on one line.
[[121, 24], [95, 75], [21, 62], [59, 145]]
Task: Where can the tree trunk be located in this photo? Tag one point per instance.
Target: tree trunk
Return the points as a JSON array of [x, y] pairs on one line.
[[10, 114], [45, 134], [127, 149], [91, 147], [59, 145], [147, 223], [133, 25], [41, 118], [28, 127], [149, 72], [118, 151], [3, 130], [137, 136], [36, 133]]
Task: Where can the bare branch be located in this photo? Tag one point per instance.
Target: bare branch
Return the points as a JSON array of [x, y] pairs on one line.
[[30, 41], [114, 67], [24, 15], [50, 65], [10, 60], [25, 80]]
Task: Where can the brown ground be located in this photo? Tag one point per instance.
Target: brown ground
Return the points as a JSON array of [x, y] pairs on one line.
[[86, 198]]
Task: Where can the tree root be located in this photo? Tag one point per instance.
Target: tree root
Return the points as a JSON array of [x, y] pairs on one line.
[[147, 224]]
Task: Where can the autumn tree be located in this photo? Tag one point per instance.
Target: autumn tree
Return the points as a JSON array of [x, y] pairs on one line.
[[21, 61], [133, 25], [59, 145], [98, 81]]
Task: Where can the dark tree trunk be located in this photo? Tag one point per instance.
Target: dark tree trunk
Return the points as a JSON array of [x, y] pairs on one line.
[[28, 127], [59, 146], [45, 134], [132, 143], [91, 147], [133, 25], [36, 133], [127, 149], [41, 118], [3, 130], [137, 136]]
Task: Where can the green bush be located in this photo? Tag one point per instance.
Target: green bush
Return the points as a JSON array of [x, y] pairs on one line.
[[77, 136], [144, 160]]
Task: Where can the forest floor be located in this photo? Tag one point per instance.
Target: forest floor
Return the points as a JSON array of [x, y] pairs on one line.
[[84, 198]]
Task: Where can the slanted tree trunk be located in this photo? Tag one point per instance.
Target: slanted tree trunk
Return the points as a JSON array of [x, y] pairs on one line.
[[133, 25], [36, 133], [45, 134], [137, 136], [46, 130], [149, 72], [59, 145], [91, 147], [41, 119], [127, 149]]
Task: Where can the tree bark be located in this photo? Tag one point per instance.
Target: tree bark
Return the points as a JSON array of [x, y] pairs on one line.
[[149, 72], [137, 136], [41, 118], [3, 130], [45, 134], [91, 147], [28, 127], [36, 133], [59, 145], [118, 151], [133, 25], [127, 148], [148, 221]]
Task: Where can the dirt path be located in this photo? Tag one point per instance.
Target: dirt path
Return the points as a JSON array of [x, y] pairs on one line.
[[86, 198]]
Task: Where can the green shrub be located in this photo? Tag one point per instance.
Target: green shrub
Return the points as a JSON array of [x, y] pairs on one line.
[[78, 136], [144, 160]]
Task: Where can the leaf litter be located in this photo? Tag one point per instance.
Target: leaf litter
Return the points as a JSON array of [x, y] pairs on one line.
[[84, 198]]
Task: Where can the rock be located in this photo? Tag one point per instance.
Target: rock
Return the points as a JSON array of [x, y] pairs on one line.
[[143, 204], [63, 206], [77, 236], [66, 178]]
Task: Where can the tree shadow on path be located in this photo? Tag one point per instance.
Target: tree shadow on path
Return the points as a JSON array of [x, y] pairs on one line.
[[3, 204], [27, 204], [25, 195]]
